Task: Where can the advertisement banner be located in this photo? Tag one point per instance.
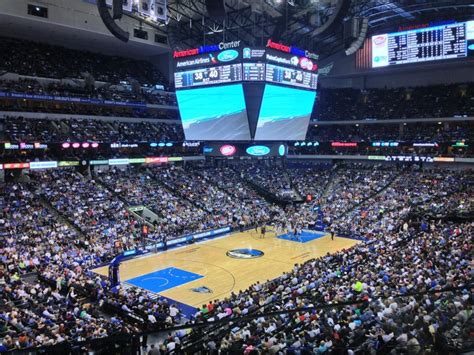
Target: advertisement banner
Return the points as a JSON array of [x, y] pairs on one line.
[[43, 164], [71, 99], [227, 150]]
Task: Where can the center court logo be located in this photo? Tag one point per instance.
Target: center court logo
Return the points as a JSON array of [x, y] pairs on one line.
[[245, 253]]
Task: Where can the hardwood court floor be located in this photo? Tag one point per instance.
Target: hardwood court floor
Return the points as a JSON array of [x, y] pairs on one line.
[[223, 274]]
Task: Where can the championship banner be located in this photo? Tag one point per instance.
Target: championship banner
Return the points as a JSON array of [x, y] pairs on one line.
[[145, 7], [126, 4]]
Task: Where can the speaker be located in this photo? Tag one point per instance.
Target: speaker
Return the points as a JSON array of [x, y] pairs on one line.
[[117, 9], [109, 22], [357, 44], [335, 19], [216, 8], [351, 29]]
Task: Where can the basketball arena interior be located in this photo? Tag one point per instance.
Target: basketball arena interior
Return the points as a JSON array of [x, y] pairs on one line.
[[236, 177]]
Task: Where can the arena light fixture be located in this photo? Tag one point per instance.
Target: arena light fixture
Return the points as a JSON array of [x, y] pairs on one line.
[[85, 145], [76, 145]]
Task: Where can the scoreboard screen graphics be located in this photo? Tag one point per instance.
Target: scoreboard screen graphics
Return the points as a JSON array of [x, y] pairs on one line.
[[447, 41], [214, 113], [284, 113]]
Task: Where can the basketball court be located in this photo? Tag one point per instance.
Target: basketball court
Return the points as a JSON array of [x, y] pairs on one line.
[[213, 269]]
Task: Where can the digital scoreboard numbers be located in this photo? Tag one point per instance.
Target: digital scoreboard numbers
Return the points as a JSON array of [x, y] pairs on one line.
[[208, 76], [427, 44], [254, 71], [290, 76]]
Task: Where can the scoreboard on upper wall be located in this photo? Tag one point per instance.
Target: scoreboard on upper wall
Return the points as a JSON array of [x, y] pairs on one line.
[[229, 92], [431, 43]]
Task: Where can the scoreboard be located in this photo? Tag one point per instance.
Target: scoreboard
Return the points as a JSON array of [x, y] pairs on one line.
[[208, 76], [228, 92], [449, 41], [254, 71], [196, 69], [290, 76]]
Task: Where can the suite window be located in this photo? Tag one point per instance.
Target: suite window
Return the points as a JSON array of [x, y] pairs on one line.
[[140, 34], [35, 10]]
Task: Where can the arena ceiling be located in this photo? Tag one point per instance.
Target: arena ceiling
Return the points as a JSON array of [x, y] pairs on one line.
[[298, 22]]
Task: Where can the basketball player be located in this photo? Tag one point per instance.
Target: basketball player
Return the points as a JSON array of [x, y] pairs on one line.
[[262, 232], [297, 233]]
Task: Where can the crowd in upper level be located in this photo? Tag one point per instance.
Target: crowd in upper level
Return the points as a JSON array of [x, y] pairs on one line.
[[453, 100], [20, 129], [120, 93], [50, 61], [414, 132]]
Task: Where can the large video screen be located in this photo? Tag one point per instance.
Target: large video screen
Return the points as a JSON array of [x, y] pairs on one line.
[[284, 113], [214, 113], [447, 41]]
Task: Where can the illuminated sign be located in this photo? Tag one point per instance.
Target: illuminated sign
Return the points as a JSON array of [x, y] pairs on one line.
[[16, 165], [408, 158], [206, 49], [9, 146], [444, 159], [343, 144], [460, 144], [440, 41], [155, 160], [118, 161], [282, 150], [309, 144], [425, 144], [129, 252], [99, 162], [175, 159], [251, 53], [123, 145], [228, 150], [191, 144], [136, 160], [40, 145], [186, 53], [385, 144], [227, 55], [194, 61], [303, 63], [258, 150], [68, 163], [26, 146], [292, 50], [376, 157], [43, 164]]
